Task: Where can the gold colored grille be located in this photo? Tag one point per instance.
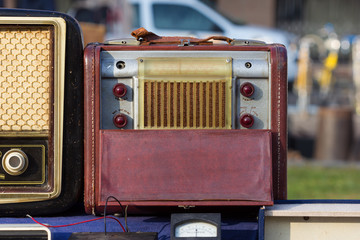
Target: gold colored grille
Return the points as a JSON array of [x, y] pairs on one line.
[[26, 63], [182, 93]]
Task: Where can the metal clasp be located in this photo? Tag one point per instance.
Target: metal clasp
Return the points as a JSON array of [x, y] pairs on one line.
[[184, 42], [185, 206]]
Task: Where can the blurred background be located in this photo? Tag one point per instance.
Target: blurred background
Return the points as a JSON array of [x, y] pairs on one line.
[[323, 42]]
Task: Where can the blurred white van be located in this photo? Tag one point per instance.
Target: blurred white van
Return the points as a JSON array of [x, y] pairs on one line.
[[194, 18], [180, 18]]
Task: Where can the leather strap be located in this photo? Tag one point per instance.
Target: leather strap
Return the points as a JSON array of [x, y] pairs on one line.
[[147, 38]]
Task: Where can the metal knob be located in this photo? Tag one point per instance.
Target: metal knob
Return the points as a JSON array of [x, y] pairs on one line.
[[15, 162]]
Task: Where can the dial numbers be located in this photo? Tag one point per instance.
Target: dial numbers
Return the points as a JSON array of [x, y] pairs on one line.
[[196, 229]]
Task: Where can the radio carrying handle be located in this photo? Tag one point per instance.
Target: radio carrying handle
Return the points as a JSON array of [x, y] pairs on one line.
[[147, 38]]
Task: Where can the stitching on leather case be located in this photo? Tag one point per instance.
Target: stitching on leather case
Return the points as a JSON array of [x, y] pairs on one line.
[[278, 127], [93, 130]]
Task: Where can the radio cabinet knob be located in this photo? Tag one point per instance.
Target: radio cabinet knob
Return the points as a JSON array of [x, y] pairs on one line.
[[246, 120], [15, 162], [247, 89], [119, 90], [120, 120]]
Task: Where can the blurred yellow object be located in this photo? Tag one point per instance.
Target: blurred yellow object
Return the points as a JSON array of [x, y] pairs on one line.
[[331, 60], [330, 64], [302, 82]]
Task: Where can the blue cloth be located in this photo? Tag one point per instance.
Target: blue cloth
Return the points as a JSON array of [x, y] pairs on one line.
[[231, 228]]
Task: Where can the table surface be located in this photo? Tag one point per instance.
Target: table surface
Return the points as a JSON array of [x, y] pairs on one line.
[[231, 228]]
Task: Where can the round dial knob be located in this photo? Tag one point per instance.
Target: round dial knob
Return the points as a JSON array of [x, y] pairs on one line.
[[120, 120], [119, 90], [15, 162], [247, 89], [246, 120]]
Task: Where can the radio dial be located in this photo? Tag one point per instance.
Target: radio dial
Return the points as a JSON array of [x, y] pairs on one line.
[[120, 120], [246, 120], [119, 90], [15, 162]]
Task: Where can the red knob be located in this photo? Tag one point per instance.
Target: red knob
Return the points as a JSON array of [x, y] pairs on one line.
[[246, 120], [247, 89], [120, 120], [119, 90]]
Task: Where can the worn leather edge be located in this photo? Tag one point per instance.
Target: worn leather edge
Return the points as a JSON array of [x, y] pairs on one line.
[[279, 120], [89, 138]]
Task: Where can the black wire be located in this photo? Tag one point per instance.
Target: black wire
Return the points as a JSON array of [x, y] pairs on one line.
[[126, 226], [122, 209]]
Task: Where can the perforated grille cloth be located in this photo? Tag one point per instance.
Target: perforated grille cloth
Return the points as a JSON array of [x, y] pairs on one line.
[[26, 63]]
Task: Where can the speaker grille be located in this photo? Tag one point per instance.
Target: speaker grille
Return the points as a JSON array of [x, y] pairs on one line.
[[185, 93], [26, 78], [185, 104]]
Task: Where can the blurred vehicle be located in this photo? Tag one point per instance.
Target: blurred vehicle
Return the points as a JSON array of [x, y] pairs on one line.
[[184, 18], [194, 18]]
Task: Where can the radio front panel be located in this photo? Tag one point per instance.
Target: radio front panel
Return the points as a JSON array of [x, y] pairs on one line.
[[40, 112], [185, 90], [31, 107]]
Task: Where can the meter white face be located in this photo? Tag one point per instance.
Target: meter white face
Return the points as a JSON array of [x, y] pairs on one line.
[[196, 229]]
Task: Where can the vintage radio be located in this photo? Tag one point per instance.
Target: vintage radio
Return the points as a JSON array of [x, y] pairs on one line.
[[41, 112], [173, 121]]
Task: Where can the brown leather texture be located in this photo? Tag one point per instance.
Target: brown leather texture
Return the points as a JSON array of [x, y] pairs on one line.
[[149, 38], [91, 68], [149, 168], [185, 166], [279, 120]]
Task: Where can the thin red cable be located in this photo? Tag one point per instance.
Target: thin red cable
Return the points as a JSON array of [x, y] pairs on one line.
[[72, 224]]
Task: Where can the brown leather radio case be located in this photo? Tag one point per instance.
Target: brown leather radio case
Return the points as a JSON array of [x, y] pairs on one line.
[[184, 122]]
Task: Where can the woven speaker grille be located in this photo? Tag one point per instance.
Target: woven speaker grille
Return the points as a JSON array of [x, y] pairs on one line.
[[26, 63]]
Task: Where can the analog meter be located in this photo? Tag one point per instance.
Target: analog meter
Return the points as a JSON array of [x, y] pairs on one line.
[[206, 226]]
